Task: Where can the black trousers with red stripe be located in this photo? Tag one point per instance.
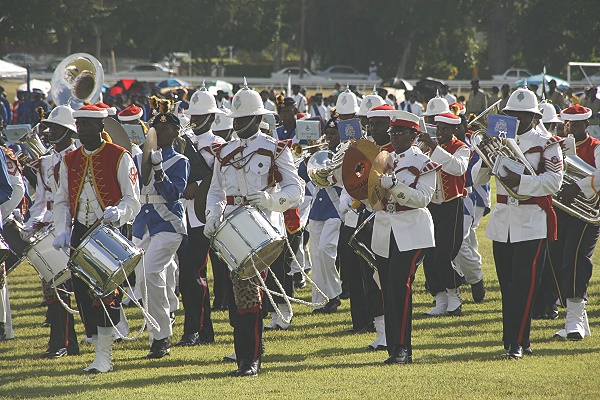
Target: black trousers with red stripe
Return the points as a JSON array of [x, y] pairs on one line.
[[220, 270], [572, 254], [91, 312], [519, 267], [193, 285], [62, 325], [397, 274], [280, 269], [448, 220]]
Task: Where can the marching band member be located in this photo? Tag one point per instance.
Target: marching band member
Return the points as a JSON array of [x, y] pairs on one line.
[[403, 231], [61, 127], [446, 208], [572, 252], [6, 329], [476, 205], [160, 228], [244, 170], [520, 228], [98, 180], [324, 228], [193, 257], [8, 207], [366, 301]]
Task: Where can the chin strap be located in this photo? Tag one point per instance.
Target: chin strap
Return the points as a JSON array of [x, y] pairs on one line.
[[248, 124]]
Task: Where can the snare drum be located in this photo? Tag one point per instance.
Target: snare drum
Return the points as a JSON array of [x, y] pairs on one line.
[[360, 241], [104, 259], [244, 236], [50, 263], [11, 233]]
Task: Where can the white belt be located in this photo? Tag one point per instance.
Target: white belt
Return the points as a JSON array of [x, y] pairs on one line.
[[152, 199]]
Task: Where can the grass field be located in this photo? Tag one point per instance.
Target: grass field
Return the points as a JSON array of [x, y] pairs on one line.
[[454, 357]]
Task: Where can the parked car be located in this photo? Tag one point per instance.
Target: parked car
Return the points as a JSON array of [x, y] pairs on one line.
[[512, 75], [337, 72], [147, 70], [295, 73], [22, 59]]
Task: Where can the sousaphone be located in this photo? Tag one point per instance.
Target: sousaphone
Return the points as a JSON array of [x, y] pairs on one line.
[[77, 79]]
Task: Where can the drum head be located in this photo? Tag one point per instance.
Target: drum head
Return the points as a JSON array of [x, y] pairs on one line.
[[262, 259]]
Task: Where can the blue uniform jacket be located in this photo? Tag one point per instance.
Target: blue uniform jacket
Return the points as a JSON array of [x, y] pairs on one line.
[[167, 217]]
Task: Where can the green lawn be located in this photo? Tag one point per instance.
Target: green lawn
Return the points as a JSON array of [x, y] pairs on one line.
[[453, 357]]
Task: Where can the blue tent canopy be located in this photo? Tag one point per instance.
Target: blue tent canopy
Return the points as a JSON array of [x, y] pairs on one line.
[[561, 84], [171, 82]]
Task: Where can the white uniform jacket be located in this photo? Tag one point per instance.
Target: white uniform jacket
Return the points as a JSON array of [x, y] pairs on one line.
[[413, 229], [253, 176], [526, 221], [47, 186], [202, 143]]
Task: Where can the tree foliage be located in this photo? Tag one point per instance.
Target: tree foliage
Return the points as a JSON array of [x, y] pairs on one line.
[[408, 38]]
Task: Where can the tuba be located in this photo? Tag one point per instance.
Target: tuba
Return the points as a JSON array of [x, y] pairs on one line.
[[77, 79]]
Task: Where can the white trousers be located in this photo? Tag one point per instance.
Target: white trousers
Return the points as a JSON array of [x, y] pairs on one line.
[[468, 258], [5, 313], [158, 269], [324, 236]]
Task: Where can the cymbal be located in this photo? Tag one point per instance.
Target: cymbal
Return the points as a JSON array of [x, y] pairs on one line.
[[356, 167], [117, 133], [382, 164], [200, 198], [149, 146]]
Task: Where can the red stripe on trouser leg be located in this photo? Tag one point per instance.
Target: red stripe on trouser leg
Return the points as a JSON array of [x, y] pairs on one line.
[[204, 292], [529, 294], [413, 266], [256, 336], [67, 330]]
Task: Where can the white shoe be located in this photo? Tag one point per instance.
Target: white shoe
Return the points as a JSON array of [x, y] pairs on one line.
[[273, 324], [441, 305], [380, 343], [122, 328], [576, 320], [103, 342], [287, 316]]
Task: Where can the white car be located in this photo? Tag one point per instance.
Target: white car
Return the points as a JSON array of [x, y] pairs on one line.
[[147, 70], [341, 72], [512, 75], [282, 74], [22, 59]]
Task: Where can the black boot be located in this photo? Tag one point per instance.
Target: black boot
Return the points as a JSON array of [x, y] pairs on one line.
[[159, 348], [247, 367], [193, 339], [398, 355]]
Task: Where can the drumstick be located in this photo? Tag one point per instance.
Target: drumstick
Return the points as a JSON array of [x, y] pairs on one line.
[[94, 226]]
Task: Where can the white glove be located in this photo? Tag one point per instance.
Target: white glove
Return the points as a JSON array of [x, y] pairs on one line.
[[387, 181], [27, 233], [112, 214], [346, 206], [17, 215], [156, 160], [62, 241], [212, 223], [260, 199]]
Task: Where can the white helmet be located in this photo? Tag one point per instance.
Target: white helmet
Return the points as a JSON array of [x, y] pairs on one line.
[[202, 102], [369, 102], [523, 100], [63, 116], [437, 106], [548, 113], [222, 122], [346, 103], [247, 102]]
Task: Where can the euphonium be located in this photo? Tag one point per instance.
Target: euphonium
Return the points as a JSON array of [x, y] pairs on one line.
[[322, 165], [490, 148], [583, 208]]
